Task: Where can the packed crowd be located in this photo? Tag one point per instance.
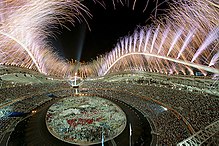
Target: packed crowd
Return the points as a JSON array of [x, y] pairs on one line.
[[24, 107], [5, 123], [199, 110], [166, 131], [25, 91], [192, 83], [24, 99], [28, 104], [4, 69], [14, 77]]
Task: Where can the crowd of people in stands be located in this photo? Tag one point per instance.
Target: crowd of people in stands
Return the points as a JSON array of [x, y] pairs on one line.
[[23, 99], [25, 91], [5, 124], [168, 129], [199, 110]]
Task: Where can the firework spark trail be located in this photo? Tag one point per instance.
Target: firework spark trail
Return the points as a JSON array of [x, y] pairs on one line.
[[213, 35], [214, 59], [154, 38], [186, 42], [163, 38], [147, 39], [141, 39], [176, 38]]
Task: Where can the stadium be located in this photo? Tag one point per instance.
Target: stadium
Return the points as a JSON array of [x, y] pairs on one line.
[[157, 86]]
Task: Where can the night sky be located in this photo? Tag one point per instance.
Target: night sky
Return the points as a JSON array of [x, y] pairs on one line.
[[107, 26]]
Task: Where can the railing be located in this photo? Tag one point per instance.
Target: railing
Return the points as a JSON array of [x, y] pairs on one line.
[[201, 136]]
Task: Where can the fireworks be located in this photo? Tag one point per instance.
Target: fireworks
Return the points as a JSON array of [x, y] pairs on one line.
[[186, 38], [25, 27]]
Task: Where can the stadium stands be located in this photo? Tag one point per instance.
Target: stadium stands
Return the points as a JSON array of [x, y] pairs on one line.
[[175, 112]]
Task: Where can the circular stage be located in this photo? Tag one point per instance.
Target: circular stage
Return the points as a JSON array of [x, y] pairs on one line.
[[85, 120]]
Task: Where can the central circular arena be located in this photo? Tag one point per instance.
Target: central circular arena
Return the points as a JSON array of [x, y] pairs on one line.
[[85, 120]]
